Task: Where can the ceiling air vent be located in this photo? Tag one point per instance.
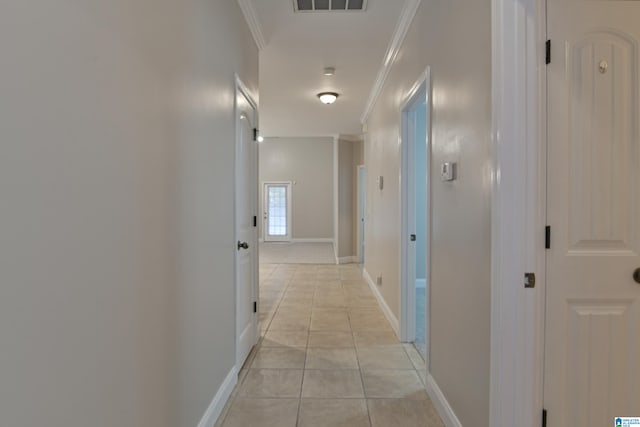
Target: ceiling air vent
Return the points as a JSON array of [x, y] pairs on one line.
[[329, 5]]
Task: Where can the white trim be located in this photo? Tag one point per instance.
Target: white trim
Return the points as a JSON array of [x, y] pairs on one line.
[[407, 14], [420, 90], [347, 260], [351, 138], [393, 320], [445, 411], [518, 212], [216, 406], [313, 240], [246, 92], [251, 17]]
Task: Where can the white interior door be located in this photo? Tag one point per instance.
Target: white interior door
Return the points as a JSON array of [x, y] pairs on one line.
[[592, 333], [277, 211], [246, 232]]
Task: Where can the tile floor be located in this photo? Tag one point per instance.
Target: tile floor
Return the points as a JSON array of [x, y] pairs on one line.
[[327, 357], [296, 253]]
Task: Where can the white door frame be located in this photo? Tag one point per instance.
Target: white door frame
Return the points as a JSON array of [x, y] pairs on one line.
[[420, 91], [360, 207], [518, 211], [265, 208], [241, 88]]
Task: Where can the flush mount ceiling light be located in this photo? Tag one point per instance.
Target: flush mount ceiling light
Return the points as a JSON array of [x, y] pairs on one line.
[[328, 97], [329, 71]]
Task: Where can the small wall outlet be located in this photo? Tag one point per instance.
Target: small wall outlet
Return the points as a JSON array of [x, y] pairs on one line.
[[379, 280]]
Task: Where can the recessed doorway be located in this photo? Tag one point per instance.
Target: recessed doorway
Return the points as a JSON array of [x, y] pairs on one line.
[[277, 211]]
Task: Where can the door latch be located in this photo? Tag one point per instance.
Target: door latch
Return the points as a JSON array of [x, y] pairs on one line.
[[529, 280], [412, 237]]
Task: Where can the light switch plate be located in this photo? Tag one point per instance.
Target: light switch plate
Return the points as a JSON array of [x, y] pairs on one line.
[[448, 171]]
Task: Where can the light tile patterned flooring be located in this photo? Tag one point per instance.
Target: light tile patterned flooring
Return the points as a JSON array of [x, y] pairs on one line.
[[327, 357], [296, 253]]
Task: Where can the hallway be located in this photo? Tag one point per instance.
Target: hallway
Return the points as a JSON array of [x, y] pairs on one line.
[[327, 357]]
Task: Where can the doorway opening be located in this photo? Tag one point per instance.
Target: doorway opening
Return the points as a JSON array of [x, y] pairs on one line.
[[362, 174], [416, 214], [277, 211]]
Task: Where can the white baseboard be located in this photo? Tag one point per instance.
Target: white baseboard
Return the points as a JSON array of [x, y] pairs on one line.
[[440, 402], [220, 399], [313, 240], [393, 320], [421, 283], [347, 260]]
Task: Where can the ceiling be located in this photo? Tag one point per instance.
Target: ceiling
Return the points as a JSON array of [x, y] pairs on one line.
[[295, 49]]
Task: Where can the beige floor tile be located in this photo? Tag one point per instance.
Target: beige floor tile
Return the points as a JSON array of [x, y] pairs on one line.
[[330, 339], [279, 358], [332, 384], [295, 310], [285, 339], [290, 323], [395, 384], [333, 413], [369, 338], [331, 358], [372, 322], [384, 357], [403, 413], [361, 301], [337, 322], [297, 300], [272, 383], [263, 412]]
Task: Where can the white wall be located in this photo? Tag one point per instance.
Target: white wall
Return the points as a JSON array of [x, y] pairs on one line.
[[308, 163], [116, 133], [220, 44], [460, 294]]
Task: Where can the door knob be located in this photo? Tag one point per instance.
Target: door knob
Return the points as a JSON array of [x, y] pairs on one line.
[[636, 275], [242, 245]]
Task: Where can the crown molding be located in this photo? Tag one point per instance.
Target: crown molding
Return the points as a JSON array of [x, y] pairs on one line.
[[251, 17], [409, 11]]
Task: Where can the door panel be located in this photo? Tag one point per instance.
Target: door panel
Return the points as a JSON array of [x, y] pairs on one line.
[[592, 312], [246, 209]]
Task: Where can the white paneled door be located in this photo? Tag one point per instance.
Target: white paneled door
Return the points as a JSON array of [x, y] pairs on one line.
[[246, 231], [592, 344]]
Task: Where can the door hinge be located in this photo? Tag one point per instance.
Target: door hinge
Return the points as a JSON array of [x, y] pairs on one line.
[[255, 221], [548, 52], [255, 306], [544, 418], [255, 134], [547, 237]]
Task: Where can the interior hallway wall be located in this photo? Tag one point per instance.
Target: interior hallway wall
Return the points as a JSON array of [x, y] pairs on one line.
[[346, 197], [116, 122], [461, 239], [308, 164]]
